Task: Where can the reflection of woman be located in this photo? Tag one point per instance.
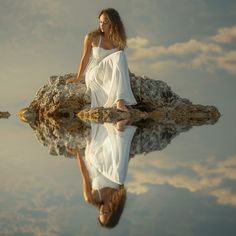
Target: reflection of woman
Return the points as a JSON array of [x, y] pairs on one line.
[[104, 63], [104, 169]]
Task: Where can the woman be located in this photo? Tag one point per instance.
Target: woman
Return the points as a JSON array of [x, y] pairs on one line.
[[104, 167], [104, 63]]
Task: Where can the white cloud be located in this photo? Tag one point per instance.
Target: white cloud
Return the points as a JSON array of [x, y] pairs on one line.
[[227, 62], [225, 35], [137, 42], [34, 210], [225, 196], [143, 50], [193, 54], [208, 176], [162, 65], [193, 184], [159, 67]]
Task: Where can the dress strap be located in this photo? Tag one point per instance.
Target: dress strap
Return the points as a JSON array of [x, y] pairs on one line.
[[100, 40]]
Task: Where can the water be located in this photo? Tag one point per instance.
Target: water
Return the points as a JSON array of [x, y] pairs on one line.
[[185, 188]]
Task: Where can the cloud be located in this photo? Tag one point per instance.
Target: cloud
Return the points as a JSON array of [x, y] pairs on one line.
[[37, 207], [137, 42], [227, 62], [161, 66], [158, 66], [225, 35], [208, 176], [143, 48], [225, 196], [195, 54], [193, 184]]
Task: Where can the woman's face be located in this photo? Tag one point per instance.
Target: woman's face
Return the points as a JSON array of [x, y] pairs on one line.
[[104, 24], [104, 213]]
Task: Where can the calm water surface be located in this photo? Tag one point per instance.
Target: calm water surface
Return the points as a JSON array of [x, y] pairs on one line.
[[187, 187]]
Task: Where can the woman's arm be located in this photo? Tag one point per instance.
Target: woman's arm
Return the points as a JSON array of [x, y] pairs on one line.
[[84, 59], [87, 189]]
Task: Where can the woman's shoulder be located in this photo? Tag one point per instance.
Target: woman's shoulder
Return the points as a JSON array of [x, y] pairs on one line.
[[93, 35]]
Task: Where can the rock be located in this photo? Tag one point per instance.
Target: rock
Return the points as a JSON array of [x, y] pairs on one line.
[[4, 114], [27, 114], [56, 99], [60, 115], [101, 114], [155, 100]]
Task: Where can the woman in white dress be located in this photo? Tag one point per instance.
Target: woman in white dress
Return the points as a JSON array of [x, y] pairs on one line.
[[104, 167], [104, 64]]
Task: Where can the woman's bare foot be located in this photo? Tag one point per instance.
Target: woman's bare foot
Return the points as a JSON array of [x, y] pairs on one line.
[[120, 125], [120, 105]]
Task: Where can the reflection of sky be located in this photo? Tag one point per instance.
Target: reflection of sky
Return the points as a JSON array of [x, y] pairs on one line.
[[210, 175], [188, 44]]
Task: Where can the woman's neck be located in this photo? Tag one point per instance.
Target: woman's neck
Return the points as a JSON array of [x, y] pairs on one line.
[[106, 192], [105, 36]]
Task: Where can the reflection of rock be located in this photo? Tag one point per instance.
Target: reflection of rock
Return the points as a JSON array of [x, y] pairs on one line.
[[181, 114], [58, 135], [155, 100], [153, 136], [4, 114], [110, 115]]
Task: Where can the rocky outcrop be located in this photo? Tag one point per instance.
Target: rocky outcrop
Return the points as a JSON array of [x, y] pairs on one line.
[[155, 100], [4, 114], [60, 115]]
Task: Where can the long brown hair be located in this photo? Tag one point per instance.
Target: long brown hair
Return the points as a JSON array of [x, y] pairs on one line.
[[116, 204], [117, 30]]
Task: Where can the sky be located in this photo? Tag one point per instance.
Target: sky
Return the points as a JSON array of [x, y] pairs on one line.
[[188, 44]]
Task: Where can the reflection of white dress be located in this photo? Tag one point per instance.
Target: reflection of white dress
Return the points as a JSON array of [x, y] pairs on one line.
[[107, 155], [107, 77]]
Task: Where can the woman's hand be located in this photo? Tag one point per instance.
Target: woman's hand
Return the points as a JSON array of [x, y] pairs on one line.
[[72, 80], [71, 151]]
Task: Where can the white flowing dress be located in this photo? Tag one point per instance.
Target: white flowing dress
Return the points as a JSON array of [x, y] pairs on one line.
[[107, 77], [107, 155]]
